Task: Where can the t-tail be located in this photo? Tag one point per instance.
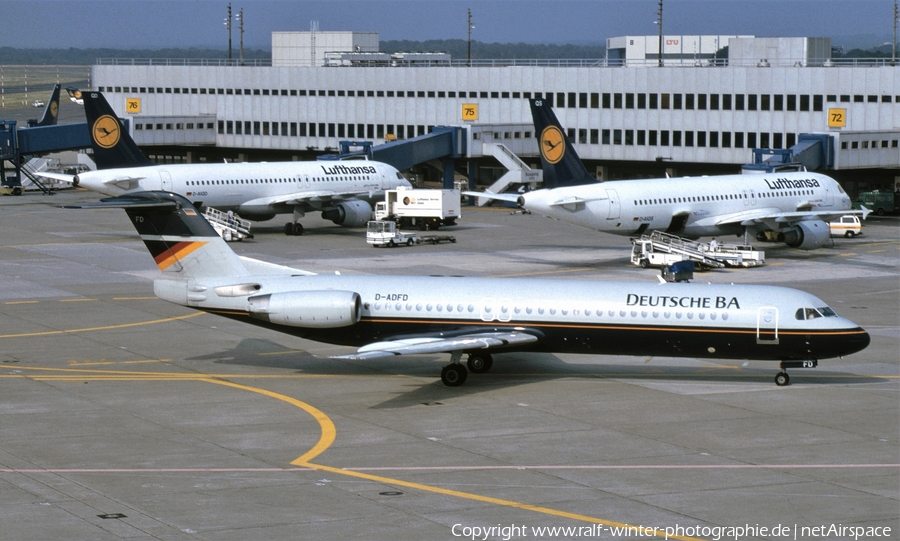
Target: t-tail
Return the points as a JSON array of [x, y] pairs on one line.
[[183, 244], [51, 110], [561, 164], [113, 146]]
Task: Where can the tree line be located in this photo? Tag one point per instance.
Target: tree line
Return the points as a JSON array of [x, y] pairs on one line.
[[458, 49]]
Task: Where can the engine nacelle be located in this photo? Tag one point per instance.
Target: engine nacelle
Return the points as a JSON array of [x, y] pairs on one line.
[[257, 213], [308, 309], [807, 235], [349, 214]]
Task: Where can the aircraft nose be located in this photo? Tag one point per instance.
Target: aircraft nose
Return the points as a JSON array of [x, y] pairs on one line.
[[857, 340]]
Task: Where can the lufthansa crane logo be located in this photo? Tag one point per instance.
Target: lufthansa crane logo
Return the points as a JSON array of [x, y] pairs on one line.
[[54, 108], [553, 144], [106, 131]]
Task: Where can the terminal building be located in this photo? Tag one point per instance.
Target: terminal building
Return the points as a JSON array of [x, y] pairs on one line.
[[702, 107]]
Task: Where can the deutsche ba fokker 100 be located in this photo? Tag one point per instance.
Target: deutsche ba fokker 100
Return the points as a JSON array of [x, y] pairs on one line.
[[396, 315]]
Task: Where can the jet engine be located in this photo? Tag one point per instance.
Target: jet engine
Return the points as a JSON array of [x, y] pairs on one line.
[[349, 214], [806, 235], [308, 309]]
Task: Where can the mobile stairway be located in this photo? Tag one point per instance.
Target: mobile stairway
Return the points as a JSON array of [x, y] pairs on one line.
[[230, 227], [663, 249], [517, 172]]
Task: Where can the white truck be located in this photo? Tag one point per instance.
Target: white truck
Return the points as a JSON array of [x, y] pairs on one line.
[[384, 233], [423, 209]]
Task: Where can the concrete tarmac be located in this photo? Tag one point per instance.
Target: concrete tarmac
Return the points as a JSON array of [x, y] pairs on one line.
[[124, 416]]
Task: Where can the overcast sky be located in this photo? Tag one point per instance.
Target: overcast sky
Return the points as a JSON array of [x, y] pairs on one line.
[[159, 24]]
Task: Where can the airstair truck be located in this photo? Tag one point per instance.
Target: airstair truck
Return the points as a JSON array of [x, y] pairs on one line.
[[423, 209]]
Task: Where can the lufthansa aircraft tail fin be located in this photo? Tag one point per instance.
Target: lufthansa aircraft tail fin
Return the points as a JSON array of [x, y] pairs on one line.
[[113, 146], [178, 237], [561, 164], [51, 110]]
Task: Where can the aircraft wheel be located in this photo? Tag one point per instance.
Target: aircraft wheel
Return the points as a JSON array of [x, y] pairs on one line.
[[782, 379], [480, 363], [298, 229], [289, 228], [454, 375]]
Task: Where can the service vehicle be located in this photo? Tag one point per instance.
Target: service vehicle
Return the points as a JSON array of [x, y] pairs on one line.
[[385, 233], [846, 226], [879, 202], [423, 209]]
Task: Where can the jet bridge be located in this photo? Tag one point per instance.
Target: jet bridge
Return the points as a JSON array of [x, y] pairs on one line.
[[445, 143], [19, 144], [813, 152]]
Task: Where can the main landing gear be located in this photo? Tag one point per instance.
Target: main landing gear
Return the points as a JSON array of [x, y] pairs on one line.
[[293, 228], [455, 374], [782, 378]]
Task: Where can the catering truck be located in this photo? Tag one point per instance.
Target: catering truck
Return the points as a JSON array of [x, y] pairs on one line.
[[423, 209]]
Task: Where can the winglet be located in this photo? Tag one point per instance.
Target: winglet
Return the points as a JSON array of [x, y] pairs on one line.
[[865, 211]]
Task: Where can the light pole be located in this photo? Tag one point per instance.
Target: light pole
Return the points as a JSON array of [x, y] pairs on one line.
[[894, 44], [228, 26], [659, 22], [470, 26], [240, 18]]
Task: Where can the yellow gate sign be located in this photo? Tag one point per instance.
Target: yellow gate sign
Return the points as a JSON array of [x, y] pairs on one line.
[[469, 111], [132, 105], [837, 118]]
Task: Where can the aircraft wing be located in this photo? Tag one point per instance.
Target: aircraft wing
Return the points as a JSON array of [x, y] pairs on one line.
[[424, 345], [309, 197], [763, 215]]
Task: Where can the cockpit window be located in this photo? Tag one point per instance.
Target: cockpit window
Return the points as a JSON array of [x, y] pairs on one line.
[[813, 313]]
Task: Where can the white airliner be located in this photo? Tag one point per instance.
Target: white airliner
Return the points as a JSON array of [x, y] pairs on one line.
[[342, 190], [395, 315], [795, 206]]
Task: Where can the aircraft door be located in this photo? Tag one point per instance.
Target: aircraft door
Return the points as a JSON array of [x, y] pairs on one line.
[[752, 197], [767, 325], [613, 205], [746, 198], [829, 196], [165, 181]]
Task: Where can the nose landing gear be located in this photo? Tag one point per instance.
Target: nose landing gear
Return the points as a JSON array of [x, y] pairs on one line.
[[782, 378]]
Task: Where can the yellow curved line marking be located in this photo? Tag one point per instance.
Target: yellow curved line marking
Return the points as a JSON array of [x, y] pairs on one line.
[[329, 432], [106, 328], [659, 532]]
